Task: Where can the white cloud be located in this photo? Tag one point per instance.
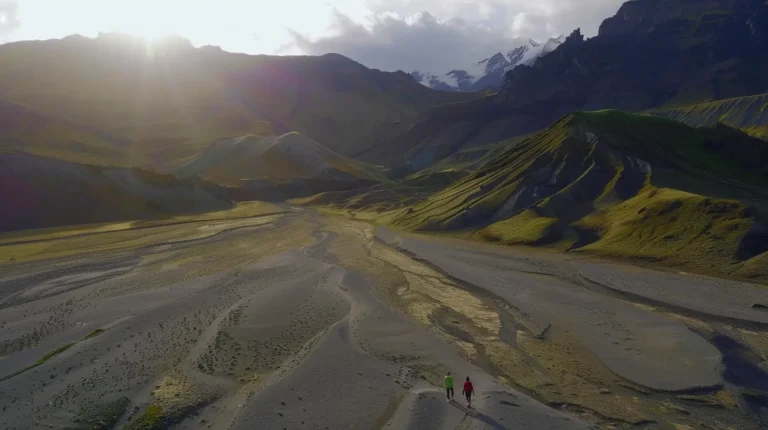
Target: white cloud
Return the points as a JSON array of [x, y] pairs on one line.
[[433, 35], [389, 42], [398, 34], [251, 26]]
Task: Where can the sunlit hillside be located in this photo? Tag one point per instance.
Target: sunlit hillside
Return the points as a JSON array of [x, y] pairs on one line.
[[608, 182], [169, 100]]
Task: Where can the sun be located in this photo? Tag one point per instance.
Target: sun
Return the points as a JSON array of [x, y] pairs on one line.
[[150, 33], [153, 37], [147, 23]]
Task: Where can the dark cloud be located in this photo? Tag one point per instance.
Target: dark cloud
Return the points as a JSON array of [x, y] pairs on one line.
[[8, 18], [453, 33], [391, 43]]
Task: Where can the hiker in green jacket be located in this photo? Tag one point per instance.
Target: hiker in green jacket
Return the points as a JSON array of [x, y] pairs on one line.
[[449, 386]]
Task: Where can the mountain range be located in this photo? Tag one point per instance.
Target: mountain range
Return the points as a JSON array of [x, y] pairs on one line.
[[488, 73], [659, 120], [115, 102], [651, 55], [169, 100], [194, 238]]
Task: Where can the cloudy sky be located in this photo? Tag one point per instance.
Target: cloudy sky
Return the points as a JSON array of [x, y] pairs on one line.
[[428, 35]]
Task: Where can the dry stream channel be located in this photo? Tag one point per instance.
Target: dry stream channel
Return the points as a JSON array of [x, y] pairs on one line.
[[301, 320]]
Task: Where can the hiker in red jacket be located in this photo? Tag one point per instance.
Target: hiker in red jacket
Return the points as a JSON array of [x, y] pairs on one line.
[[468, 391]]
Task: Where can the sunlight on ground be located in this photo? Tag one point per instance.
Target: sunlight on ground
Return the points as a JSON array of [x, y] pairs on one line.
[[58, 242]]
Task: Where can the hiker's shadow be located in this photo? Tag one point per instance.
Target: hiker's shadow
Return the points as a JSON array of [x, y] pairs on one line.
[[480, 416]]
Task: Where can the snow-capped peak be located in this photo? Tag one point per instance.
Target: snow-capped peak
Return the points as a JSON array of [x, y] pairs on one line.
[[552, 44], [528, 54], [516, 55], [498, 61], [490, 71]]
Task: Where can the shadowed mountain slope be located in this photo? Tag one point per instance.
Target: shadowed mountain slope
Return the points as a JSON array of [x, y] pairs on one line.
[[170, 100], [42, 192], [276, 159], [27, 131], [651, 54]]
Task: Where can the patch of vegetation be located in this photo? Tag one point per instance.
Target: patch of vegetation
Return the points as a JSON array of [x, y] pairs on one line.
[[94, 333], [152, 418], [748, 114], [675, 227], [102, 417], [527, 228], [54, 353], [164, 413], [40, 361], [173, 400]]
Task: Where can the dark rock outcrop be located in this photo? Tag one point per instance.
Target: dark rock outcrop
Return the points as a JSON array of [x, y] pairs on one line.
[[651, 53]]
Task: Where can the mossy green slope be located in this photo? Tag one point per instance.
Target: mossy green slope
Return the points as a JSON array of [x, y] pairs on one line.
[[749, 114], [403, 187], [662, 224], [617, 184]]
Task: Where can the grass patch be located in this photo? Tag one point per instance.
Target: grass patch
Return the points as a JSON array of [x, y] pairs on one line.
[[40, 361], [152, 418], [54, 353], [527, 228], [102, 417], [744, 113], [94, 333], [678, 228], [174, 399]]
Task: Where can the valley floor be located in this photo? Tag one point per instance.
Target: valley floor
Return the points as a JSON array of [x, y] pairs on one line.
[[290, 319]]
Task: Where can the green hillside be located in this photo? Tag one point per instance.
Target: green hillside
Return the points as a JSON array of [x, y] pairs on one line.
[[274, 158], [405, 187], [614, 184], [749, 114]]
